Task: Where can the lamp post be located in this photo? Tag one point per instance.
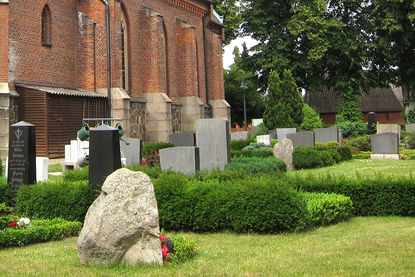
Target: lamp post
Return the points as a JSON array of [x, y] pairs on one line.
[[244, 87]]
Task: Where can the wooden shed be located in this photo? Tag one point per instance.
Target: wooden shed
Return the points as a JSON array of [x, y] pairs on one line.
[[57, 114]]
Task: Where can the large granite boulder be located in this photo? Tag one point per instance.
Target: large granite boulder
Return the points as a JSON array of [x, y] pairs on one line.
[[284, 150], [122, 225]]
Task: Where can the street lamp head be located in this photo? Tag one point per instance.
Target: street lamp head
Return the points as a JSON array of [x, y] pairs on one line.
[[243, 85]]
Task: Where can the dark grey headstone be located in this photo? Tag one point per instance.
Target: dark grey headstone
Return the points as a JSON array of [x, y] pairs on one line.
[[410, 127], [282, 132], [22, 155], [104, 154], [182, 139], [385, 143], [213, 138], [242, 135], [325, 135], [132, 150], [371, 123], [305, 138], [184, 159], [273, 134]]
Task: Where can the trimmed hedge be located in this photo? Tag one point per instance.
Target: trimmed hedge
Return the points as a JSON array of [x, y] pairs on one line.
[[251, 205], [75, 175], [40, 230], [260, 153], [380, 196], [326, 209], [6, 194], [257, 165], [239, 144], [184, 249], [321, 155], [53, 199]]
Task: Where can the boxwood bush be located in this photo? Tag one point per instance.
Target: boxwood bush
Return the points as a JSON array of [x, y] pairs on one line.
[[320, 155], [257, 204], [306, 157], [326, 209], [257, 165], [376, 196], [6, 194], [53, 199], [39, 231]]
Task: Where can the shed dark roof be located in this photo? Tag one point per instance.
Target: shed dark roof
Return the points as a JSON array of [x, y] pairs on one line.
[[61, 91], [376, 100]]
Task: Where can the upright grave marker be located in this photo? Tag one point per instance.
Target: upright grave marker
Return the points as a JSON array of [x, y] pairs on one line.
[[22, 155], [305, 138], [385, 146], [213, 138], [104, 154]]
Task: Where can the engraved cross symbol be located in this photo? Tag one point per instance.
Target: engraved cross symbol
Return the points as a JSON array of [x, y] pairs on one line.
[[18, 133]]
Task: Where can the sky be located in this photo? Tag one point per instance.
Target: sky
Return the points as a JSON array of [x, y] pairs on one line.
[[228, 56]]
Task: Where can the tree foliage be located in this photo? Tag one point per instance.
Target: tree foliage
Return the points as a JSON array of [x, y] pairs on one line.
[[311, 119], [234, 94], [283, 104], [232, 17], [393, 45]]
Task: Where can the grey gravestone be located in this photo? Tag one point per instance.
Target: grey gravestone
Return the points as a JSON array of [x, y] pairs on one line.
[[305, 138], [389, 128], [371, 123], [132, 148], [182, 139], [273, 134], [282, 132], [410, 127], [184, 159], [265, 139], [385, 143], [104, 154], [22, 155], [254, 129], [242, 135], [213, 138], [284, 151], [325, 135]]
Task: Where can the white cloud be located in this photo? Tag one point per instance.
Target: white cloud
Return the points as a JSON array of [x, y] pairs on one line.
[[228, 56]]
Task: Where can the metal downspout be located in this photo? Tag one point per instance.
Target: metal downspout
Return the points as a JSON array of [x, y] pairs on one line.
[[205, 57], [107, 27]]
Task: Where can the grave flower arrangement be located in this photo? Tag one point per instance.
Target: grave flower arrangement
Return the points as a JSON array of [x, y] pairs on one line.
[[22, 223], [166, 247]]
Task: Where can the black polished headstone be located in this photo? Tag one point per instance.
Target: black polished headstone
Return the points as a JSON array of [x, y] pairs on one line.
[[22, 155], [104, 154], [371, 123]]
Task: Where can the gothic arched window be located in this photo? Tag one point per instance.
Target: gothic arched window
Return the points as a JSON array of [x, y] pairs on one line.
[[46, 26]]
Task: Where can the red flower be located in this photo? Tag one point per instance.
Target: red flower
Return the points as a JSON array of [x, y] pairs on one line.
[[162, 237], [165, 251], [12, 224]]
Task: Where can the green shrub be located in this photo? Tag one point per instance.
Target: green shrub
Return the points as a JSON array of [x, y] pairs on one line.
[[352, 129], [362, 155], [362, 143], [260, 153], [6, 216], [75, 175], [40, 231], [6, 193], [345, 153], [239, 144], [184, 249], [257, 204], [326, 157], [152, 172], [311, 119], [306, 157], [257, 165], [379, 196], [326, 209], [410, 140], [411, 116], [256, 146], [153, 147], [53, 199], [151, 156]]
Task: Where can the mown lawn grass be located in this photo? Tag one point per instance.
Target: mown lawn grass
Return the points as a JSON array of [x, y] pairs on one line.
[[363, 246], [367, 168]]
